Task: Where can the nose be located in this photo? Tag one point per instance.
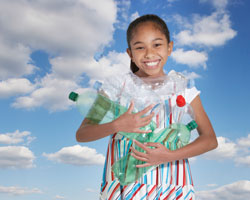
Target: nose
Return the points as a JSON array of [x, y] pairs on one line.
[[149, 53]]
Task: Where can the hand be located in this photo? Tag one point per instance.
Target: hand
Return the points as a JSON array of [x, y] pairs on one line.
[[156, 156], [132, 122]]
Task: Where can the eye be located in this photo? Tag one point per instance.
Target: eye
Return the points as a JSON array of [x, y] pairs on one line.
[[157, 45], [139, 48]]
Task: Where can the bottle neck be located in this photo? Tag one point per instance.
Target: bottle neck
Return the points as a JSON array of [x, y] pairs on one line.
[[192, 125]]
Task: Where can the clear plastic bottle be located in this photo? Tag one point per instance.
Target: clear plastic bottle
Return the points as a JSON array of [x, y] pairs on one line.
[[184, 121], [182, 112], [92, 104]]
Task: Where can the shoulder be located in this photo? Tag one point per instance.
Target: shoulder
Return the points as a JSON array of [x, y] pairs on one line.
[[191, 93]]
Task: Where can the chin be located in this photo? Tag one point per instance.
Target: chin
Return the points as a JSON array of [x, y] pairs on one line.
[[155, 72]]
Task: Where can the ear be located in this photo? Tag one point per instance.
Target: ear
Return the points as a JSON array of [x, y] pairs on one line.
[[170, 47], [129, 53]]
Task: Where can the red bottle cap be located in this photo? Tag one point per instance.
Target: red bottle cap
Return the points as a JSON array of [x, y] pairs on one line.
[[180, 101]]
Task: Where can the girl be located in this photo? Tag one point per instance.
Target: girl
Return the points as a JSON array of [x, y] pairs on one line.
[[149, 46]]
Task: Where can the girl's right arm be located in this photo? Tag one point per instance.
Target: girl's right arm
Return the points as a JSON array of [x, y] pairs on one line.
[[90, 132], [128, 122]]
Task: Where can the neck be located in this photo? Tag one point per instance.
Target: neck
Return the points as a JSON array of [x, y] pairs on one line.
[[140, 73]]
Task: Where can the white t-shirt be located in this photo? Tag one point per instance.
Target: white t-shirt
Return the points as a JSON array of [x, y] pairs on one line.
[[191, 93]]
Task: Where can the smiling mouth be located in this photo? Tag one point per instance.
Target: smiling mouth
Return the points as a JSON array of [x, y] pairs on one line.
[[152, 65]]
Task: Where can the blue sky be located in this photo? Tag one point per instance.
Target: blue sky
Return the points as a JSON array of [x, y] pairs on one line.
[[47, 49]]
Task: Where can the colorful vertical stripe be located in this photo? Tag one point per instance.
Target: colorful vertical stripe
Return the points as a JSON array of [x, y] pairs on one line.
[[170, 181]]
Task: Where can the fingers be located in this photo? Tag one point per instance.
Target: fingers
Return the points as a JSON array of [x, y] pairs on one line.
[[153, 144], [136, 120], [144, 147], [143, 124], [131, 107], [139, 158], [142, 131], [138, 153], [145, 110], [148, 118], [144, 165], [145, 120]]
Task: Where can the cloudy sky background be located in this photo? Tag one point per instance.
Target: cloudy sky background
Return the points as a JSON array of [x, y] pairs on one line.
[[49, 48]]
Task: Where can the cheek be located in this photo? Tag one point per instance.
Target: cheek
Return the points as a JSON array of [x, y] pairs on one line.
[[165, 54], [136, 56]]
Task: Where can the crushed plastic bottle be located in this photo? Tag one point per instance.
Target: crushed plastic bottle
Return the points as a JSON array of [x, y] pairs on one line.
[[173, 137], [94, 105], [173, 134], [182, 112], [184, 122]]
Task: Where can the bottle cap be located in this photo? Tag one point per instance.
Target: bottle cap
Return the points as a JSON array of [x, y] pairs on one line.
[[192, 125], [73, 96], [180, 101]]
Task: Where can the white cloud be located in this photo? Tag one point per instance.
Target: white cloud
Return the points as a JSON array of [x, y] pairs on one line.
[[52, 94], [134, 16], [210, 31], [16, 137], [218, 4], [68, 32], [239, 190], [59, 197], [192, 160], [16, 157], [113, 63], [14, 58], [190, 75], [181, 21], [212, 185], [123, 14], [226, 150], [70, 54], [14, 190], [244, 142], [13, 86], [92, 190], [243, 160], [41, 24], [237, 151], [202, 32], [53, 90], [77, 155], [118, 63], [191, 58]]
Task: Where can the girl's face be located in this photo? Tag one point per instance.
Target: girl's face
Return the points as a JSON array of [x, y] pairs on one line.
[[149, 50]]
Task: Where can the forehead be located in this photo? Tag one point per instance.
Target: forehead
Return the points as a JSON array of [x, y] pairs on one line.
[[147, 29]]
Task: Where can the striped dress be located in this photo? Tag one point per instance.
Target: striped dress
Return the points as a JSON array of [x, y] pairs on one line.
[[168, 181]]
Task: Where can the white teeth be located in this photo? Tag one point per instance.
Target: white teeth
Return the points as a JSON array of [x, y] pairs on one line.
[[152, 63]]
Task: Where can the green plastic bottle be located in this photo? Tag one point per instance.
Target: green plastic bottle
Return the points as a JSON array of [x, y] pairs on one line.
[[173, 137], [93, 104]]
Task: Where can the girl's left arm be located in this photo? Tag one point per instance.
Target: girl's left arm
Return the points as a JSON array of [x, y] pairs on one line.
[[204, 143]]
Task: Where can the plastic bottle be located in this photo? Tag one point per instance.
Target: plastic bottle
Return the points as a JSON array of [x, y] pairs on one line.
[[182, 112], [92, 104], [184, 121]]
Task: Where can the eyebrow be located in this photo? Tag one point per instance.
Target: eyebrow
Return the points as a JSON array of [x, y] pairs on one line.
[[138, 42]]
